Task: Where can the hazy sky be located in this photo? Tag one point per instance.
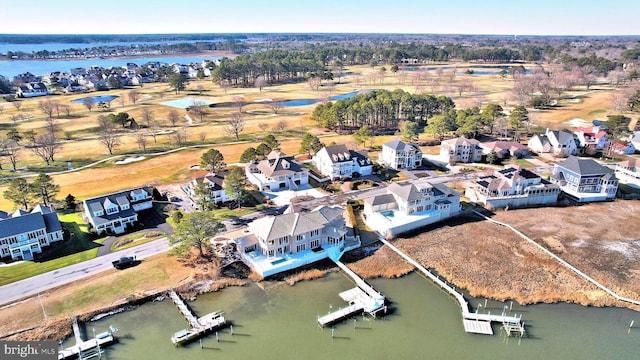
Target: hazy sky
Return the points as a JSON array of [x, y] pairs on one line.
[[539, 17]]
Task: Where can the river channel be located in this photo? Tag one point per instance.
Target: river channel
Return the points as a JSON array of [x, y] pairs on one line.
[[279, 322]]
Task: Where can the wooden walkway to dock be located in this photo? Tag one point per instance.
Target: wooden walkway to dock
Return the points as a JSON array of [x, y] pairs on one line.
[[473, 322], [199, 326], [362, 298]]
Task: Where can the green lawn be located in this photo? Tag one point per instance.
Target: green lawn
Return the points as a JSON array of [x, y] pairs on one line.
[[129, 241], [79, 248], [524, 163]]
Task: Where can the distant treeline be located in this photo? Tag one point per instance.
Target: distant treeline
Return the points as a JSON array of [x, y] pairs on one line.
[[107, 38]]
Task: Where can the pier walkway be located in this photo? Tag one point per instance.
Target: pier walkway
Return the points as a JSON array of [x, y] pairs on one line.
[[472, 321], [199, 326], [362, 298]]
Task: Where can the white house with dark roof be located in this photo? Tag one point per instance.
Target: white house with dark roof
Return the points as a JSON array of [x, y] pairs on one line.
[[274, 244], [23, 234], [628, 172], [460, 149], [32, 90], [215, 184], [114, 213], [399, 155], [277, 172], [338, 162], [512, 186], [585, 180], [409, 206], [559, 142]]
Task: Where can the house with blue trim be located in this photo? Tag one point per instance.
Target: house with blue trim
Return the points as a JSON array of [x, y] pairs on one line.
[[585, 180], [24, 234]]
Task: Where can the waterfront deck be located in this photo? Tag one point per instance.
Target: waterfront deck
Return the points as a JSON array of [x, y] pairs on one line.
[[87, 349], [362, 298], [199, 326], [473, 322]]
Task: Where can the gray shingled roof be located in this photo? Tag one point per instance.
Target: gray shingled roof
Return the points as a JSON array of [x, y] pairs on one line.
[[406, 192], [278, 166], [584, 167], [275, 227], [380, 199], [21, 224], [338, 153]]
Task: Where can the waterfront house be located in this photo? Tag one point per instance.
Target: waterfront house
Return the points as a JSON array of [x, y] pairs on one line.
[[628, 172], [409, 206], [214, 183], [559, 142], [338, 162], [399, 155], [32, 90], [512, 186], [460, 149], [114, 213], [277, 172], [23, 234], [505, 149], [593, 137], [585, 180], [273, 244]]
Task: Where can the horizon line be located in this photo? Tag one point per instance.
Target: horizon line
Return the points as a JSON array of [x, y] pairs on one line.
[[321, 33]]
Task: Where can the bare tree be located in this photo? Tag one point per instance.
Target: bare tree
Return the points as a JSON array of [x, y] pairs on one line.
[[88, 102], [66, 109], [11, 151], [180, 136], [173, 117], [619, 100], [121, 99], [235, 125], [46, 107], [281, 125], [239, 102], [202, 136], [133, 96], [17, 104], [224, 85], [197, 107], [275, 104], [263, 126], [260, 82], [314, 82], [200, 88], [147, 116], [142, 141], [108, 136], [1, 110], [45, 146], [52, 125]]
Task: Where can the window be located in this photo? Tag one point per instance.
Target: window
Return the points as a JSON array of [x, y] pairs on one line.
[[299, 237], [315, 232], [283, 240], [315, 244], [301, 247]]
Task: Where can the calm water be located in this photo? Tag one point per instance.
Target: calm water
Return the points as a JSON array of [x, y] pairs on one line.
[[10, 68], [280, 323], [97, 99]]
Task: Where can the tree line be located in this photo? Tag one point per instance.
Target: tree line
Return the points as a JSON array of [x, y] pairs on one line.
[[380, 110]]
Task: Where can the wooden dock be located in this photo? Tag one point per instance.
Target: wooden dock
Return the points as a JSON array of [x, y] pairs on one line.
[[199, 326], [87, 349], [473, 322], [362, 298]]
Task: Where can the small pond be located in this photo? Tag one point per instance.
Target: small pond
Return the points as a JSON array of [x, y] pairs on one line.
[[96, 99]]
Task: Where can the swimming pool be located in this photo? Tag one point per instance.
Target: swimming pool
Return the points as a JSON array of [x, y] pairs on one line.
[[387, 213]]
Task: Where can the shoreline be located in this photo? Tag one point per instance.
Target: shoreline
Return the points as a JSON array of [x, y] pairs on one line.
[[203, 54]]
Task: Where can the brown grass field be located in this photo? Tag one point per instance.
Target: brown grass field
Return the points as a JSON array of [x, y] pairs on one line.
[[491, 261]]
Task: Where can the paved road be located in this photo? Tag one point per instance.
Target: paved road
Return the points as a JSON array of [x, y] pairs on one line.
[[43, 282]]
